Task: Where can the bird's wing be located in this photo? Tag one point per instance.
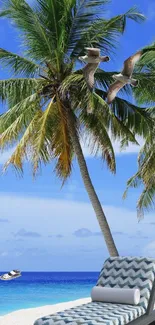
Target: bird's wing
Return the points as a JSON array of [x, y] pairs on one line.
[[93, 51], [113, 90], [129, 64], [89, 71]]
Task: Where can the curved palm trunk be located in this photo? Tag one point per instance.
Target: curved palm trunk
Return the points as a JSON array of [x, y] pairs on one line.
[[90, 189]]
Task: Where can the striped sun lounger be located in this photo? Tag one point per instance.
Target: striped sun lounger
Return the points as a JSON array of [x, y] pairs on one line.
[[117, 272]]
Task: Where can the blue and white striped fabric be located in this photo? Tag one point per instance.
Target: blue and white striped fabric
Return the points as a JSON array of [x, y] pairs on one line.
[[120, 272], [94, 313], [129, 272]]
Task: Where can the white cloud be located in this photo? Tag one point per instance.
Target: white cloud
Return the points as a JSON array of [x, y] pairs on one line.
[[85, 233], [63, 217], [24, 233], [51, 216]]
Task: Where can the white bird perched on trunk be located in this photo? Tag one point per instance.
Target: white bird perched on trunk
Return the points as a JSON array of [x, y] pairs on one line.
[[125, 77], [93, 59]]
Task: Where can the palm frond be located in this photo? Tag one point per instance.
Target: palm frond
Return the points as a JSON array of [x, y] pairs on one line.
[[134, 14], [146, 166], [147, 60], [43, 136], [18, 64], [23, 148], [103, 33], [146, 177], [144, 72], [105, 119], [36, 38], [74, 80], [13, 91], [4, 13], [52, 140], [118, 130], [96, 132], [136, 119], [146, 201], [82, 16], [64, 155], [133, 182], [95, 3], [14, 121], [56, 17], [145, 92]]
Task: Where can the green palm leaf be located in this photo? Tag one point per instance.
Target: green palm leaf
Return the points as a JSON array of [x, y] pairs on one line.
[[103, 33], [146, 201], [43, 138], [52, 140], [98, 139], [18, 64], [32, 31], [137, 119], [14, 121], [145, 72], [105, 122], [145, 92], [13, 91], [134, 14], [24, 146], [148, 59]]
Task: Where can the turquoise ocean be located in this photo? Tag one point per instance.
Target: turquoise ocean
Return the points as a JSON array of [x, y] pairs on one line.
[[35, 289]]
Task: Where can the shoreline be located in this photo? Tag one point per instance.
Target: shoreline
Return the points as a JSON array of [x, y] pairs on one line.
[[30, 315]]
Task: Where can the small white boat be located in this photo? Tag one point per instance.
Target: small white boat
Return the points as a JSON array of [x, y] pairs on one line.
[[11, 275]]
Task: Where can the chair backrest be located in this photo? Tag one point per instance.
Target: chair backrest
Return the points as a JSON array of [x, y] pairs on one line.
[[129, 272]]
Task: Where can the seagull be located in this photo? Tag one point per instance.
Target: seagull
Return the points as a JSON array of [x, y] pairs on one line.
[[125, 77], [93, 59]]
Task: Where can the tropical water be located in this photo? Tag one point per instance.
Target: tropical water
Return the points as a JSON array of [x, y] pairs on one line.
[[35, 289]]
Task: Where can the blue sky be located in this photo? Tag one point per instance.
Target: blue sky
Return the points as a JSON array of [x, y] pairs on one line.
[[44, 227]]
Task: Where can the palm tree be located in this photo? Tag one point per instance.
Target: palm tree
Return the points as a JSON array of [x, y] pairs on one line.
[[145, 175], [48, 98]]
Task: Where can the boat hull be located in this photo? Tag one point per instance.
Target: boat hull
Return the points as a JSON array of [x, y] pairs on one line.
[[11, 278]]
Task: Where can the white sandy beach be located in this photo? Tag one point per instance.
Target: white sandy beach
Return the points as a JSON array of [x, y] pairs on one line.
[[28, 316]]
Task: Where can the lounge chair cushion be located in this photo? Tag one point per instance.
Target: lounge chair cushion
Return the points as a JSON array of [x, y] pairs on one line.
[[118, 272], [129, 272], [94, 313]]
